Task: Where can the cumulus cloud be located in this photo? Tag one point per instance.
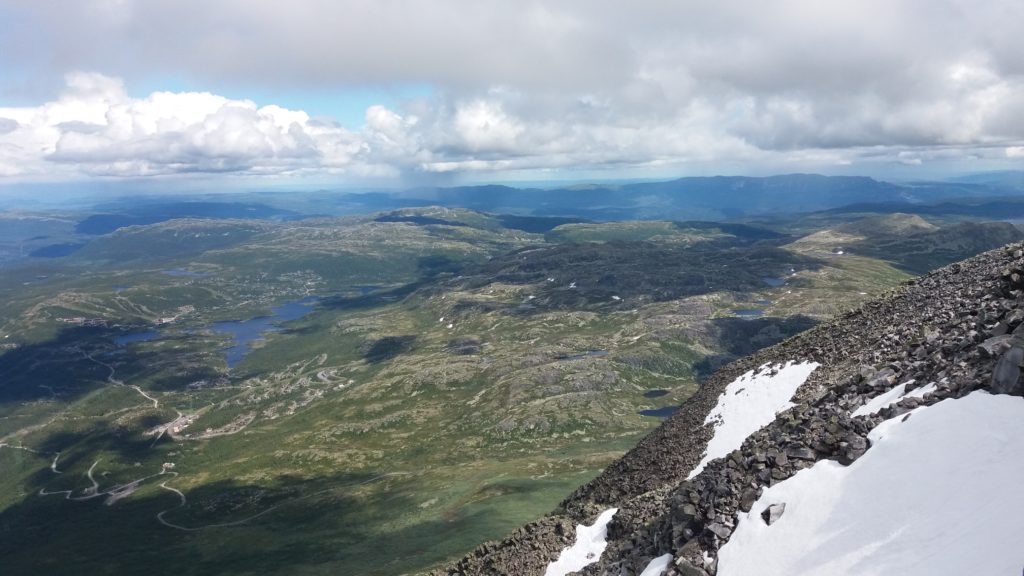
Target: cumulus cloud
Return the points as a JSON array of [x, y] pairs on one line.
[[518, 85], [96, 128]]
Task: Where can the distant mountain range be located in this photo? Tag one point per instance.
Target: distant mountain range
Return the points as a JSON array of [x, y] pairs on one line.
[[709, 198]]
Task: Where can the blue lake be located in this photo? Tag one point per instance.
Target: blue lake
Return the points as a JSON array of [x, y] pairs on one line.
[[245, 332], [774, 282], [146, 336], [663, 412]]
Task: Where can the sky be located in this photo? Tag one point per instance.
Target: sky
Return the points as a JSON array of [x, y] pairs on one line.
[[356, 92]]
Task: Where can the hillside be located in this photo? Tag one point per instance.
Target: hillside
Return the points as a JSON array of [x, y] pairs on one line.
[[312, 395], [893, 419]]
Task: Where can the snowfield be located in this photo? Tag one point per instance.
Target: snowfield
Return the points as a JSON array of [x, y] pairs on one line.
[[657, 566], [590, 544], [938, 492], [749, 403], [893, 396]]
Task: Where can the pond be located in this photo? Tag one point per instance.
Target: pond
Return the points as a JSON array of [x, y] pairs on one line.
[[749, 312], [244, 332], [663, 412], [655, 393], [774, 282]]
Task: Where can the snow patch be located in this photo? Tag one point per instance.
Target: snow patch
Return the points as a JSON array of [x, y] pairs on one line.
[[749, 403], [881, 401], [657, 566], [920, 392], [893, 396], [937, 493], [590, 544]]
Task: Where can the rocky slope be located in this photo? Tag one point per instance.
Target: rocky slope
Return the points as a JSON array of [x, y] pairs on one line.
[[943, 336]]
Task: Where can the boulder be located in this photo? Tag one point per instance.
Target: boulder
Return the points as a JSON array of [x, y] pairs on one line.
[[1006, 374], [773, 513]]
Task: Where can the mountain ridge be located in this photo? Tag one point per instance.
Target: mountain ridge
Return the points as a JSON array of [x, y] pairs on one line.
[[947, 334]]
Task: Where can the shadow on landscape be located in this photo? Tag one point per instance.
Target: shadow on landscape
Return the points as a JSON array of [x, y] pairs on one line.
[[78, 452], [740, 337], [28, 370], [310, 523], [575, 276], [387, 348], [59, 369]]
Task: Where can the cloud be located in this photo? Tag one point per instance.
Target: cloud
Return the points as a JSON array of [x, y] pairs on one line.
[[7, 125], [96, 128], [517, 85]]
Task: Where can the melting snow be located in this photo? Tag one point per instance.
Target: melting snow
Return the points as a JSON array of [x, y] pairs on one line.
[[590, 544], [937, 493], [881, 401], [891, 397], [657, 566], [749, 403]]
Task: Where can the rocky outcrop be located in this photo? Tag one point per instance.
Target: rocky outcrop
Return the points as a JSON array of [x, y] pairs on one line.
[[944, 335]]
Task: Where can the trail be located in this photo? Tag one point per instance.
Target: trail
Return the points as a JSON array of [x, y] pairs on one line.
[[113, 494], [53, 465], [25, 448], [116, 382], [184, 502]]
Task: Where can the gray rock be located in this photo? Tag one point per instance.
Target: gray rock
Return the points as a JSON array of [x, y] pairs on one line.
[[748, 498], [801, 453], [1006, 374], [996, 345], [773, 513], [720, 530]]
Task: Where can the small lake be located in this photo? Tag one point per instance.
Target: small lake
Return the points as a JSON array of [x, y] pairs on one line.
[[587, 354], [663, 412], [125, 339], [773, 282], [749, 312], [183, 272], [655, 393], [244, 332]]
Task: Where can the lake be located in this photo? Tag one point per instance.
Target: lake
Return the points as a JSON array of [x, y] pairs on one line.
[[244, 332], [663, 412]]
